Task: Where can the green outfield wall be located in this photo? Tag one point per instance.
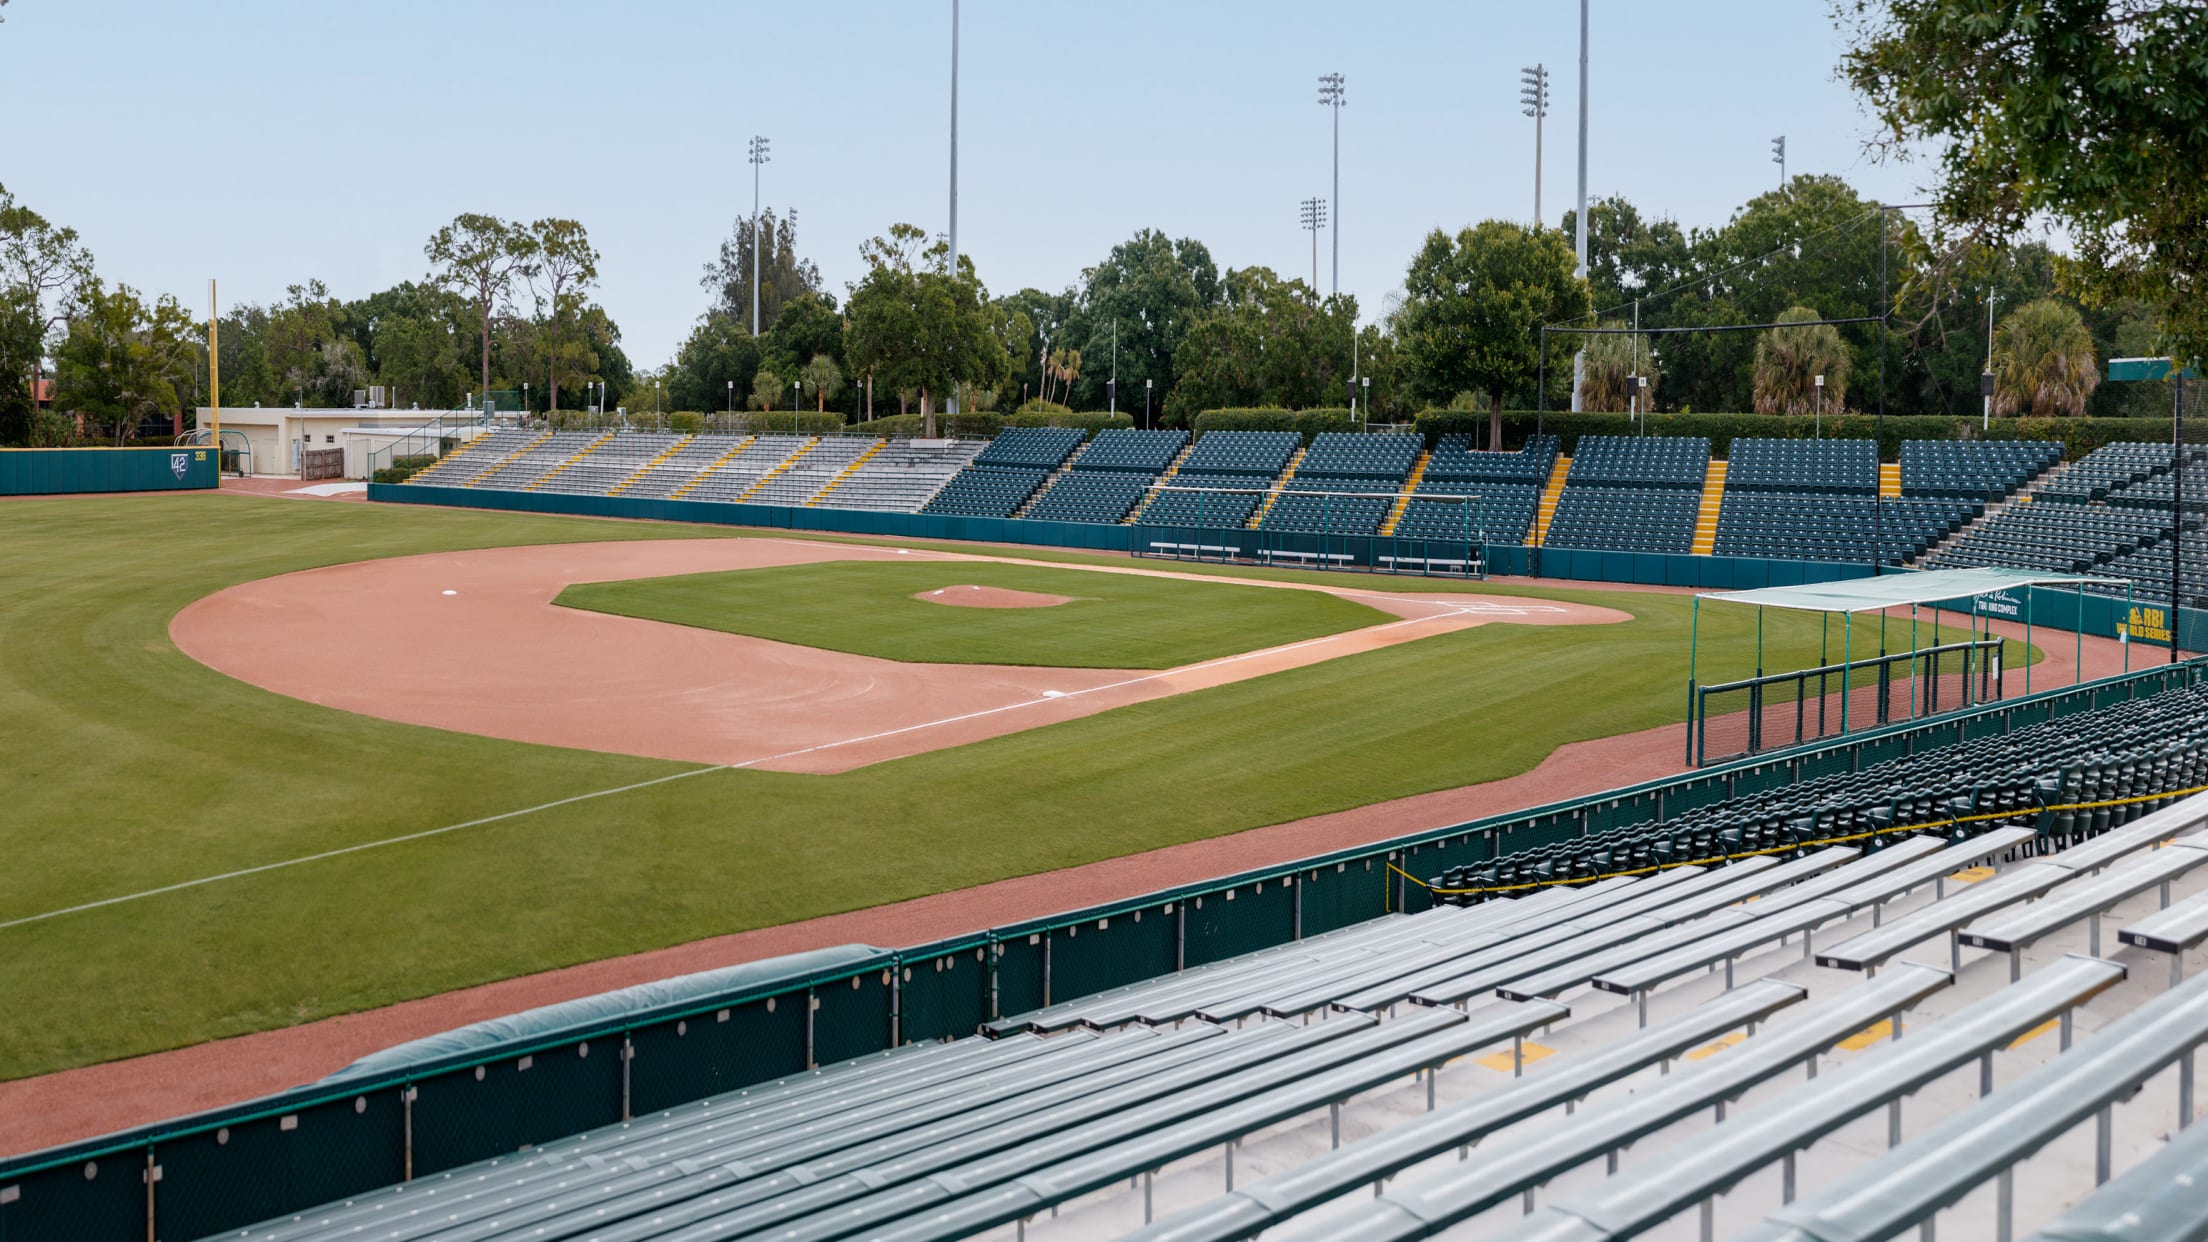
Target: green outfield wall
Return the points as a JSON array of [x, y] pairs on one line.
[[59, 471]]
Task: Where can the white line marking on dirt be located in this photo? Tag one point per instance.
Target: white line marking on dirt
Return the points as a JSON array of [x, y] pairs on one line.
[[1472, 607]]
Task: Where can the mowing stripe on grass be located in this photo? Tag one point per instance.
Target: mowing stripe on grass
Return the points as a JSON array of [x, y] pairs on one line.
[[725, 767]]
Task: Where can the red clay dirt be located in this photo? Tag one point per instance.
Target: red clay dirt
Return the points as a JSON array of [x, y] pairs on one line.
[[472, 641], [967, 595], [76, 1104]]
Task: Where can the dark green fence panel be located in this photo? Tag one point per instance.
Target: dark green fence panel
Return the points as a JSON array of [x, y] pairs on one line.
[[1334, 897], [251, 1171], [99, 1197], [48, 472], [1105, 952], [1020, 982], [852, 1016], [944, 995], [1242, 919], [498, 1107], [719, 1050]]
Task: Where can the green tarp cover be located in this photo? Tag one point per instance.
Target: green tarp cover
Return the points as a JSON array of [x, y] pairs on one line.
[[1894, 590], [604, 1009]]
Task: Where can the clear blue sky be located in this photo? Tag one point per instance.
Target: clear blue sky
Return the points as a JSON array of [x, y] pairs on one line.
[[268, 141]]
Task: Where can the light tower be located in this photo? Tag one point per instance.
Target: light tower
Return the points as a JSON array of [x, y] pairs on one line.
[[758, 157], [1330, 97], [1778, 156], [1533, 93], [1314, 219]]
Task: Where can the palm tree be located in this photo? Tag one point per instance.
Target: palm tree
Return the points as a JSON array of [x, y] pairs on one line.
[[1613, 361], [1789, 360], [2043, 356]]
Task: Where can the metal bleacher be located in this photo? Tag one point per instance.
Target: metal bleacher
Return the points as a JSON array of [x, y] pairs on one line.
[[902, 476], [1491, 1068]]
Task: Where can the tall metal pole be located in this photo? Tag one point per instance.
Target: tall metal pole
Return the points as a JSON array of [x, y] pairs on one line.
[[1533, 92], [1986, 420], [951, 405], [214, 372], [1878, 500], [758, 157], [2177, 509], [1331, 97], [1579, 359]]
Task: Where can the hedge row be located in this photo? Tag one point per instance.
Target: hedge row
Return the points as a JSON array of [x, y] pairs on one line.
[[1308, 423], [2078, 436], [403, 468], [986, 424]]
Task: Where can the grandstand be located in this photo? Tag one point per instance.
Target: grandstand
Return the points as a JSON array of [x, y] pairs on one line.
[[1953, 504], [1339, 1084], [1632, 493]]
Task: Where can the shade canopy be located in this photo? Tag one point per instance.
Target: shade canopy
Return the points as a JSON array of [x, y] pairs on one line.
[[1894, 590]]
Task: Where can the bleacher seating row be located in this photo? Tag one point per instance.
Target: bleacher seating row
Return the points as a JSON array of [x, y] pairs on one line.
[[1826, 527], [1786, 499], [1449, 1070], [1983, 470]]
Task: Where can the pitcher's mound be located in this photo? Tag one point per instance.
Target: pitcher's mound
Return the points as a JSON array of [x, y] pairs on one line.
[[966, 596]]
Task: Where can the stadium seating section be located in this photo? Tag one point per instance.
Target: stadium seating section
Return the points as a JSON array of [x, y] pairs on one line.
[[1973, 469], [1962, 503], [1676, 1022], [987, 491], [1632, 493]]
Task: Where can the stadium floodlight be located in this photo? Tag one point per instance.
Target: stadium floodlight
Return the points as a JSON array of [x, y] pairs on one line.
[[758, 157], [1533, 94], [1331, 97], [1314, 219], [1778, 156]]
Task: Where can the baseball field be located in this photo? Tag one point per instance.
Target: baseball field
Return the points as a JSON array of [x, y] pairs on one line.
[[260, 772]]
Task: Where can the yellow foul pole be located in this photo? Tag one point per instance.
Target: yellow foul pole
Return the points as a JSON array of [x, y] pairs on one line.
[[214, 373]]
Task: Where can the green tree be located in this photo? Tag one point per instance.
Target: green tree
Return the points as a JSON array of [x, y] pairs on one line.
[[1268, 342], [808, 325], [922, 329], [21, 338], [1473, 308], [766, 389], [822, 378], [1149, 290], [1048, 318], [561, 267], [2092, 113], [2043, 357], [412, 336], [1616, 363], [124, 361], [784, 276], [1816, 243], [42, 261], [719, 358], [480, 256], [1789, 360], [1628, 257]]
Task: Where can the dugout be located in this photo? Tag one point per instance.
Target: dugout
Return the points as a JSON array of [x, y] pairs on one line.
[[1871, 684]]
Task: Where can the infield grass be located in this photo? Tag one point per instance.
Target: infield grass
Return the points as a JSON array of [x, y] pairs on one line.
[[127, 767], [889, 611]]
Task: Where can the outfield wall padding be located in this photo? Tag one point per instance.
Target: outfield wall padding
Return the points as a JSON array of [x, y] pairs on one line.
[[235, 1166], [60, 471]]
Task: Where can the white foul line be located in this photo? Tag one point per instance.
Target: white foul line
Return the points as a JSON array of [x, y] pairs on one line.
[[1046, 697]]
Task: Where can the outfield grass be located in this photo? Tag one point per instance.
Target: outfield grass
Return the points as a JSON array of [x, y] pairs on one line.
[[873, 609], [128, 767]]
